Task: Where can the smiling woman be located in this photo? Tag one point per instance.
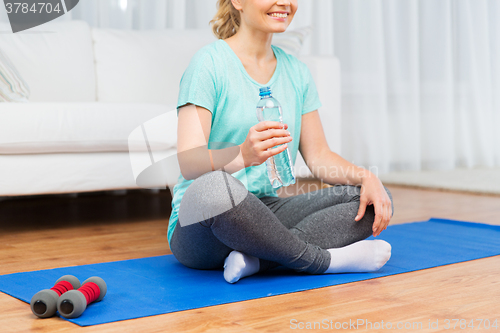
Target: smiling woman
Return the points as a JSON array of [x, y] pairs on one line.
[[227, 20], [229, 215]]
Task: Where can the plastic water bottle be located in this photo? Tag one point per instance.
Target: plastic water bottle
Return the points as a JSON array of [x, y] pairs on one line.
[[279, 167]]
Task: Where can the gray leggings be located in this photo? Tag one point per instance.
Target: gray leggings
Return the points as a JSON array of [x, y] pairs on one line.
[[294, 232]]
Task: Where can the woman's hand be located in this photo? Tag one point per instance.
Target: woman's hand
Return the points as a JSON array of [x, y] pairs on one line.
[[373, 192], [260, 138]]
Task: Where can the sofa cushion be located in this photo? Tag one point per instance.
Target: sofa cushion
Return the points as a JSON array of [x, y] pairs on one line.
[[144, 66], [55, 59], [12, 86], [32, 128]]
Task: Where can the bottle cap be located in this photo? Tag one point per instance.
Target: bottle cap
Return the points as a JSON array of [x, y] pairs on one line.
[[265, 91]]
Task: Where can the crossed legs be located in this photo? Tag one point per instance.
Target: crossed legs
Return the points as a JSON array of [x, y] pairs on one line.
[[313, 232]]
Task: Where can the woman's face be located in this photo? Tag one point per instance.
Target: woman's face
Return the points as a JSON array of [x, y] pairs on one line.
[[266, 15]]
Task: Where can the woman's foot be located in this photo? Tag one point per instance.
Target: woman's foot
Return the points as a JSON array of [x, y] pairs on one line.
[[362, 256], [238, 265]]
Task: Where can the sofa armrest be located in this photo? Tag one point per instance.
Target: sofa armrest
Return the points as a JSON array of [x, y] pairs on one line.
[[325, 71]]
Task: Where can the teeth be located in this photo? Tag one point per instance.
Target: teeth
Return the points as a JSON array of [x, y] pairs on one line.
[[278, 15]]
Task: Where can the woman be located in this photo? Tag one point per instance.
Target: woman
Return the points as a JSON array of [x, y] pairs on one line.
[[233, 218]]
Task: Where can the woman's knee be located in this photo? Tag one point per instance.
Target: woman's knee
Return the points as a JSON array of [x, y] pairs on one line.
[[354, 194], [390, 197], [210, 195], [196, 247], [200, 260]]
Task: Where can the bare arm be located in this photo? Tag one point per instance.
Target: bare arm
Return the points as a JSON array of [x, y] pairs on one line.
[[333, 169], [193, 132], [323, 163]]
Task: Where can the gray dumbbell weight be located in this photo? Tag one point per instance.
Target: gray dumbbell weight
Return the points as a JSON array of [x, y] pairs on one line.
[[74, 302], [44, 303]]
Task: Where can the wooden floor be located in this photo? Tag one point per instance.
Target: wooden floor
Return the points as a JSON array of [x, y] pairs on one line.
[[53, 231]]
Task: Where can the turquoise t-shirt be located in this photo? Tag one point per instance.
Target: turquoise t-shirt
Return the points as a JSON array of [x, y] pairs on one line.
[[217, 80]]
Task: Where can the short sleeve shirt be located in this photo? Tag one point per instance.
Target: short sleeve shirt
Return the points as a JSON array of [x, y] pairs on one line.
[[217, 81]]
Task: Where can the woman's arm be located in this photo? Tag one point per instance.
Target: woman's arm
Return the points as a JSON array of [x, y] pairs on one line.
[[195, 159], [323, 163], [333, 169]]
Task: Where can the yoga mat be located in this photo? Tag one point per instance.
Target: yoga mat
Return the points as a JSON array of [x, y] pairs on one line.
[[157, 285]]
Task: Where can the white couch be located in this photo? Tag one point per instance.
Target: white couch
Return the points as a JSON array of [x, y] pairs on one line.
[[90, 88]]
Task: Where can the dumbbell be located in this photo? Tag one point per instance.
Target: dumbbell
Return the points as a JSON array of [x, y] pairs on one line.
[[74, 302], [44, 303]]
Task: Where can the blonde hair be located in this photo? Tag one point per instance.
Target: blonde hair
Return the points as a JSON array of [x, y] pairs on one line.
[[226, 21]]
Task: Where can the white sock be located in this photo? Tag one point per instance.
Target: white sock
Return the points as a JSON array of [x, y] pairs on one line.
[[362, 256], [238, 265]]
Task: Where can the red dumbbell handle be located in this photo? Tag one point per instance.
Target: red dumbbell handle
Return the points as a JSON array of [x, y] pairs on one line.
[[91, 291], [61, 287]]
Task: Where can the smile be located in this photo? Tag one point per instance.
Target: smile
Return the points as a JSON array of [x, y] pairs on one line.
[[279, 15]]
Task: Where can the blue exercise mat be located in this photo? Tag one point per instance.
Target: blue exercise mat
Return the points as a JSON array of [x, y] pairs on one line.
[[157, 285]]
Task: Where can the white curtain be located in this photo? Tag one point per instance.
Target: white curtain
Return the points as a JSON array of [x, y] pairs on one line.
[[420, 78], [420, 82]]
